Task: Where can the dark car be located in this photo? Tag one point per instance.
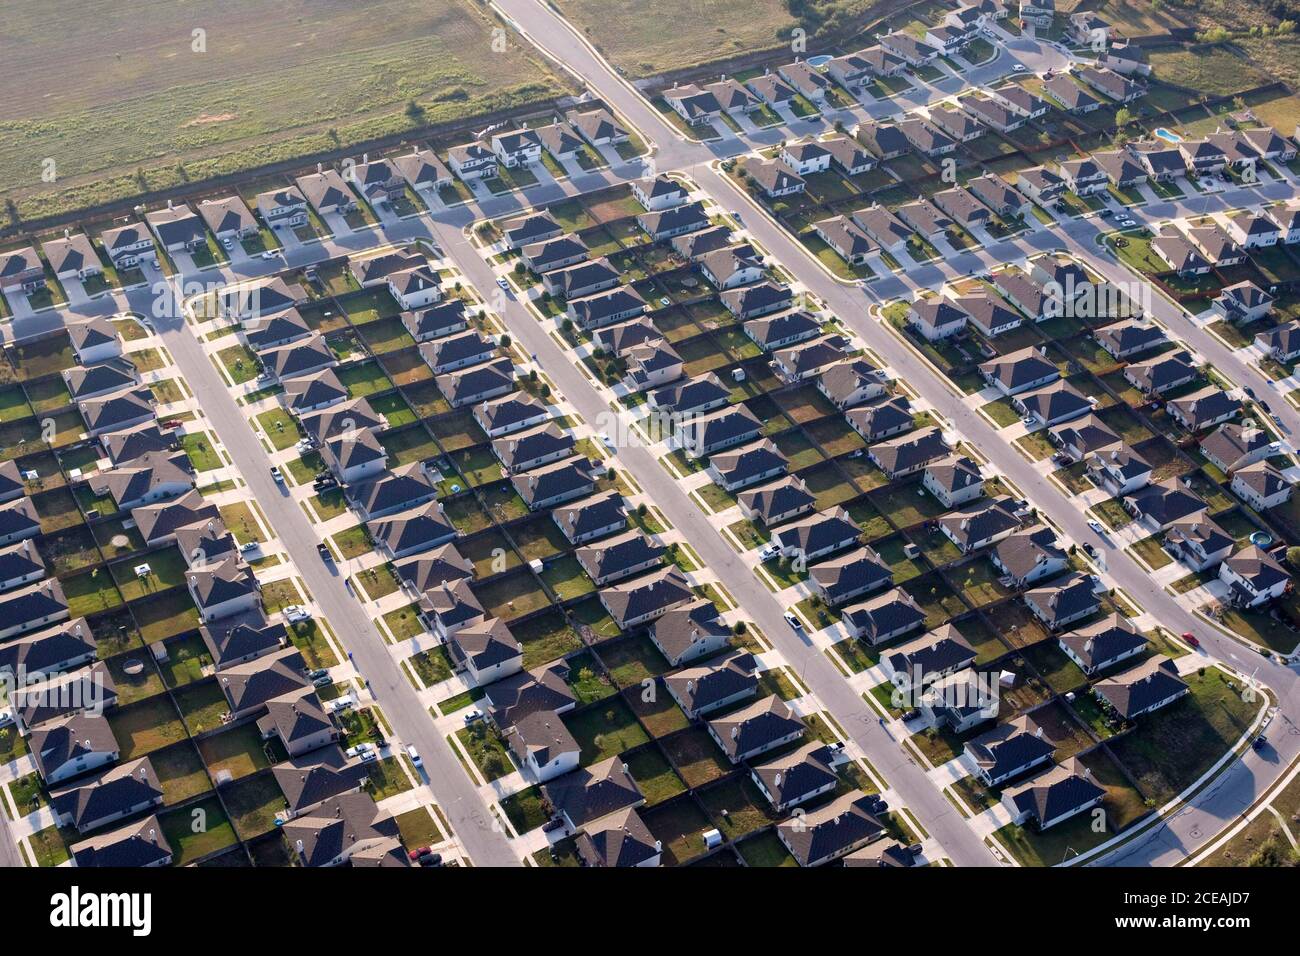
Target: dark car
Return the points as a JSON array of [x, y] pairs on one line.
[[553, 824], [325, 553], [1259, 742]]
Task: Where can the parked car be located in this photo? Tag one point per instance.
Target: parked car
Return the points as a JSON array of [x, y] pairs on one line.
[[325, 553], [552, 824], [911, 715], [358, 750], [323, 681], [793, 620], [769, 552], [431, 859], [277, 475], [1191, 639], [296, 612], [414, 755], [473, 716], [248, 546], [418, 852], [317, 673], [1096, 526]]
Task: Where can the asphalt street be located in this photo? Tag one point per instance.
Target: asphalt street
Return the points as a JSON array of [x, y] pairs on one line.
[[933, 810], [452, 789]]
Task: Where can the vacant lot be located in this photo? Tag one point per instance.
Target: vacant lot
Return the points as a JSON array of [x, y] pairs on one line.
[[644, 37], [276, 81]]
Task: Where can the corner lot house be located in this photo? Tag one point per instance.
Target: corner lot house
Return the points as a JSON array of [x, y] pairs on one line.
[[1053, 797]]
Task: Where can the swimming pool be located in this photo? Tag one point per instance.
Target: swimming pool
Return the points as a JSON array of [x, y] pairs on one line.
[[1168, 136], [819, 60]]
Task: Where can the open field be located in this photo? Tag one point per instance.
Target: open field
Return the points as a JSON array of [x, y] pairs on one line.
[[276, 81], [632, 33]]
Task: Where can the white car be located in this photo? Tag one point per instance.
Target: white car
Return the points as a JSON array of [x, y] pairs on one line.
[[414, 755], [370, 756], [248, 546], [6, 718], [277, 475], [359, 749], [1095, 525], [296, 612], [769, 552], [793, 620], [606, 440], [269, 255], [1018, 68], [339, 704]]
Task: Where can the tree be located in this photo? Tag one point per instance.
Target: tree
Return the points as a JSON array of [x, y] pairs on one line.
[[1293, 557]]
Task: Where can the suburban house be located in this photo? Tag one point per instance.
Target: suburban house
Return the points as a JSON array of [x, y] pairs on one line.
[[543, 747], [1054, 796], [756, 728], [1063, 601], [919, 662], [884, 418], [1020, 371], [1254, 577], [326, 190], [882, 618], [797, 777], [1008, 750], [828, 833], [1029, 555], [953, 480], [696, 106], [1102, 645], [177, 227], [228, 218], [1261, 486], [690, 632], [72, 256], [778, 502], [283, 207], [472, 161], [486, 651], [1141, 689], [520, 147]]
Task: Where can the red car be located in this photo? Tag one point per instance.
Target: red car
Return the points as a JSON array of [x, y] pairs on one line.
[[1190, 638], [418, 852]]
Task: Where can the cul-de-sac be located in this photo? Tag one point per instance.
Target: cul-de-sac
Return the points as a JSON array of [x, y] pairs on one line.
[[650, 433]]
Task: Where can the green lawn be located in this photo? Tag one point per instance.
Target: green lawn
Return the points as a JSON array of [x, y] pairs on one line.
[[197, 830], [1172, 747]]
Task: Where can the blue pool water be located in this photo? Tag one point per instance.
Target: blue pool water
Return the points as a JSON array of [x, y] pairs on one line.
[[819, 60], [1168, 136]]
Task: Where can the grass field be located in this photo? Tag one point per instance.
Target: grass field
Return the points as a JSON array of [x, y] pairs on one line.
[[274, 82], [632, 34]]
